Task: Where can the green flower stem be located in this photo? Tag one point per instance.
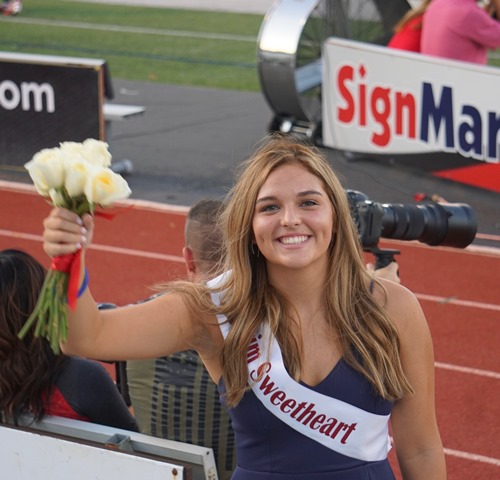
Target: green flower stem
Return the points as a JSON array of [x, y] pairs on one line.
[[52, 330], [62, 314], [40, 306], [50, 313]]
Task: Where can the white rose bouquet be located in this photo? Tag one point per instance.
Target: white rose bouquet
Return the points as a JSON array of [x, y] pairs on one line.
[[75, 176]]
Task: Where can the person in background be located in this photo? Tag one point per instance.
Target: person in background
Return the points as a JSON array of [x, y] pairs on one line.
[[12, 7], [173, 397], [461, 30], [408, 31], [33, 379], [313, 356]]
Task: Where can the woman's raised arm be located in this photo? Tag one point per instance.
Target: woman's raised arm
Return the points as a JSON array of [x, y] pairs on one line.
[[146, 330]]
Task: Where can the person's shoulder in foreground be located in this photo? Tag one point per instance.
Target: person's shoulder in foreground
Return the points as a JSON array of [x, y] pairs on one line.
[[86, 387]]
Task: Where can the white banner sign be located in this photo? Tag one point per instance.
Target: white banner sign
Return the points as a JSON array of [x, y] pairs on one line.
[[380, 100]]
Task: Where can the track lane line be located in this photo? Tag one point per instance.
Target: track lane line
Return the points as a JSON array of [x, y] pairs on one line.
[[467, 370], [475, 457], [26, 188], [456, 301], [179, 259], [102, 248], [472, 456]]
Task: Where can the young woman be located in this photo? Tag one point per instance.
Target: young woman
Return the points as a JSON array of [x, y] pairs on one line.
[[312, 355], [32, 378]]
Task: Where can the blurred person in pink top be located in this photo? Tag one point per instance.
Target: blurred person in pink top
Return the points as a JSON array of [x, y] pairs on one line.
[[461, 30]]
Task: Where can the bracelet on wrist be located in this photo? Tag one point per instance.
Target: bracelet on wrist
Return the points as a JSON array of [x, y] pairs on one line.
[[84, 285]]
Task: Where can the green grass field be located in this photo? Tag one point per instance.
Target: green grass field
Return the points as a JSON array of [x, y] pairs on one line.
[[147, 44]]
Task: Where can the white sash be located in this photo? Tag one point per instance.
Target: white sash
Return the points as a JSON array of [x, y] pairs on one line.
[[337, 425]]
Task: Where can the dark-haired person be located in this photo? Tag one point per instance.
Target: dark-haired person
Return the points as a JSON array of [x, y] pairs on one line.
[[33, 379]]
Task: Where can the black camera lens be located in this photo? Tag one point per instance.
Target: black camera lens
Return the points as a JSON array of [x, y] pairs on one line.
[[452, 225], [447, 224]]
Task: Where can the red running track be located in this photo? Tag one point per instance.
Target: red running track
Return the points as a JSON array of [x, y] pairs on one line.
[[459, 291]]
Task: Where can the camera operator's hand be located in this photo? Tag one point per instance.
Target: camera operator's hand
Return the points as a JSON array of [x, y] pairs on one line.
[[390, 272]]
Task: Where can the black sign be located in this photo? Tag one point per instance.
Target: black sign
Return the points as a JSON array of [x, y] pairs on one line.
[[45, 100]]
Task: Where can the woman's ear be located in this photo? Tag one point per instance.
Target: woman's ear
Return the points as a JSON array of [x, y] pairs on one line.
[[187, 253]]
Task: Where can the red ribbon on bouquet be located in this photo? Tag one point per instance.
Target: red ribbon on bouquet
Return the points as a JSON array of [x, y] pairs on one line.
[[71, 264]]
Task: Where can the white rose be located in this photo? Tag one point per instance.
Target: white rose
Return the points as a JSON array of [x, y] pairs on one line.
[[46, 169], [77, 172], [104, 186], [96, 152], [72, 150]]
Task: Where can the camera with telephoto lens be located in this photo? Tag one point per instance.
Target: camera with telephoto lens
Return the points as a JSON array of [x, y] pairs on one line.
[[447, 224]]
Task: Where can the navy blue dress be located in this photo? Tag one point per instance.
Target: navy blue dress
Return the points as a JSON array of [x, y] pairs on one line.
[[268, 449]]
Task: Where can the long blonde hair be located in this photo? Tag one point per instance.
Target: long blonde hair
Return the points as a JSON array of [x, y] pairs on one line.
[[368, 338]]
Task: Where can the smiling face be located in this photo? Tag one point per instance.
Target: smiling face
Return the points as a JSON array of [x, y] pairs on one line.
[[293, 220]]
